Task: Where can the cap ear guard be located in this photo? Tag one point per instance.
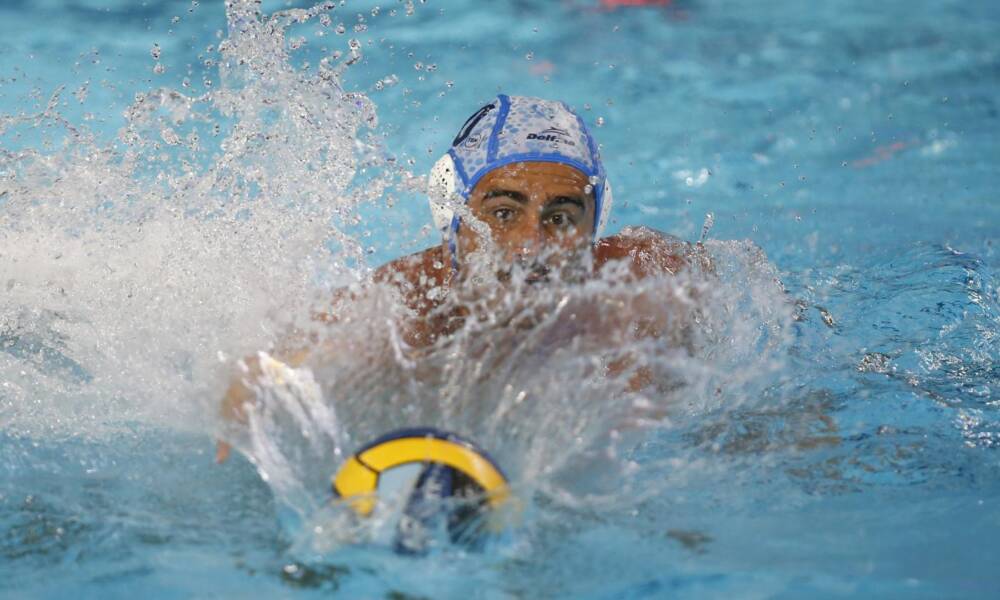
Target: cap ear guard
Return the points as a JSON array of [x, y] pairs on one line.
[[442, 189]]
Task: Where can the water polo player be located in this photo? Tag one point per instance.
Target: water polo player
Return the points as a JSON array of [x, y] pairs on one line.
[[522, 197]]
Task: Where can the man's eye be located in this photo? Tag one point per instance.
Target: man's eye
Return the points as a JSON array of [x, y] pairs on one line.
[[560, 220], [503, 214]]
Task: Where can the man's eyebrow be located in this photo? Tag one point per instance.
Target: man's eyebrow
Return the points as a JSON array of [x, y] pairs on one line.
[[516, 196], [567, 200]]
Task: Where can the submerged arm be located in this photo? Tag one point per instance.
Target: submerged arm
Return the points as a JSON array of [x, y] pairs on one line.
[[652, 254]]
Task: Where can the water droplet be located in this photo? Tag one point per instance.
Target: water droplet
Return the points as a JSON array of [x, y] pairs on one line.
[[707, 226], [587, 189], [170, 136]]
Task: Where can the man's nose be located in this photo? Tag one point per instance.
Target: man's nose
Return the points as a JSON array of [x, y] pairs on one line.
[[529, 240]]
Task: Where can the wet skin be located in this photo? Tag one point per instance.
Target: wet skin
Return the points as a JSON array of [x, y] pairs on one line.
[[540, 218], [541, 221]]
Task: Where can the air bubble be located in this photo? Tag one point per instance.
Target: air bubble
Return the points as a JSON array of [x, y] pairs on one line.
[[418, 65], [155, 52], [600, 121], [529, 56], [340, 29]]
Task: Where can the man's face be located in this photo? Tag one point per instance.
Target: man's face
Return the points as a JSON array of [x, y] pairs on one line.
[[540, 216]]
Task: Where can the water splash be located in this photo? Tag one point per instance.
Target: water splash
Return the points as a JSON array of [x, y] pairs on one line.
[[137, 272], [135, 269]]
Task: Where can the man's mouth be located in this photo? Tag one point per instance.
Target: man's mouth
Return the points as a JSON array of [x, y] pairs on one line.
[[536, 274]]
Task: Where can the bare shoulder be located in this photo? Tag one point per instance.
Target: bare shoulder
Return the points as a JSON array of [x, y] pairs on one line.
[[416, 275], [648, 251]]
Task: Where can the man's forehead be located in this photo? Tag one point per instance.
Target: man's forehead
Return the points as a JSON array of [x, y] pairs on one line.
[[537, 173]]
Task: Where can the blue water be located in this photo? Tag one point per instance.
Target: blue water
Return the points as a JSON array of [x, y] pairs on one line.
[[856, 143]]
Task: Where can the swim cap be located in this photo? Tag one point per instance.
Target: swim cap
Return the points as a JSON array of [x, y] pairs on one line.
[[515, 129]]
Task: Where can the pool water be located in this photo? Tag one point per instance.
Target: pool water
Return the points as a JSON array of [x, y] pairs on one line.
[[178, 182]]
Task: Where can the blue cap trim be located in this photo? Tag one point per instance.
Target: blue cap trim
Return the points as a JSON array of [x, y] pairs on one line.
[[494, 144], [460, 169]]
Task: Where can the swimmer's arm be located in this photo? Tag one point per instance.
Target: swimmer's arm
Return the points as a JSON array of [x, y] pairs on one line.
[[413, 276], [650, 253], [239, 393]]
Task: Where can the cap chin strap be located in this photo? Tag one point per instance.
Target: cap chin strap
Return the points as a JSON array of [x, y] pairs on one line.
[[443, 193]]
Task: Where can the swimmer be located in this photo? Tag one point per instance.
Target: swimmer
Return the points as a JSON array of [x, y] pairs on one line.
[[523, 191]]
